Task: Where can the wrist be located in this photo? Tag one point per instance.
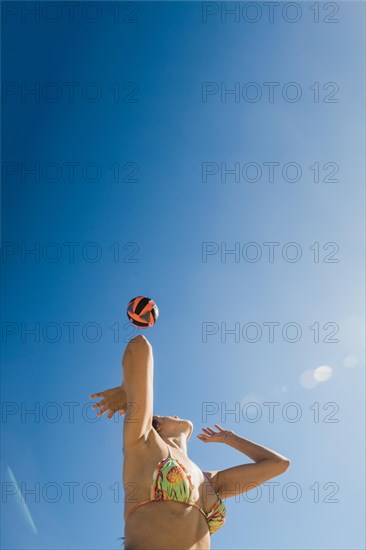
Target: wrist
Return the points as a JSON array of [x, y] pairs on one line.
[[228, 435]]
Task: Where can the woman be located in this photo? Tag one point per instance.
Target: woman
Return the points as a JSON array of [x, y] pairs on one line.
[[159, 476]]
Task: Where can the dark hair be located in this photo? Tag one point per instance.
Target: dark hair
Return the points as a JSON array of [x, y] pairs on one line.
[[155, 424]]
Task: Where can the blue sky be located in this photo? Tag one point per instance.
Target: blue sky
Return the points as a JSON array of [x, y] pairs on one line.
[[147, 233]]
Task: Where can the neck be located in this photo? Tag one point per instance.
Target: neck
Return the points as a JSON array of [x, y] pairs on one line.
[[179, 442]]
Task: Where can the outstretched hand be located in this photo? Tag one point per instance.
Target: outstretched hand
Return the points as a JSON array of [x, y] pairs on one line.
[[114, 400], [210, 436]]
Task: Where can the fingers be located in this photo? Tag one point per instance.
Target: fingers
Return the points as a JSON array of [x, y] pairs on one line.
[[94, 395], [113, 411], [97, 405], [107, 407], [107, 404], [208, 431], [211, 431], [102, 410], [104, 406], [219, 427], [209, 434]]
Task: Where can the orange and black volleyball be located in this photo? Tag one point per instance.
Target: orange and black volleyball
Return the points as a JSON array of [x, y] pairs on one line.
[[142, 311]]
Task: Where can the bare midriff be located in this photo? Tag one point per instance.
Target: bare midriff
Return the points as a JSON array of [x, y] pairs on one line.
[[166, 525]]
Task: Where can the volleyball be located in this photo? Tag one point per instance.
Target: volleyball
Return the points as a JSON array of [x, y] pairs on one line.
[[142, 311]]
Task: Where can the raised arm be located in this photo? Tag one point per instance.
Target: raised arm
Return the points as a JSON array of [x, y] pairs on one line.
[[240, 479], [138, 370]]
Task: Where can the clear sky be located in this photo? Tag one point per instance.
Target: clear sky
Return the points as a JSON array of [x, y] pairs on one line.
[[132, 132]]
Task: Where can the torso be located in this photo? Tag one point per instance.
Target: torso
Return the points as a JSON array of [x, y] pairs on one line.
[[164, 525]]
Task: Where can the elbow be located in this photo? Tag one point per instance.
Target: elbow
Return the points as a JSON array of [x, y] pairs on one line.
[[284, 464], [280, 465]]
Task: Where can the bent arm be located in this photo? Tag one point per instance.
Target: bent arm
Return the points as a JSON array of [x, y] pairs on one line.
[[138, 371], [240, 479]]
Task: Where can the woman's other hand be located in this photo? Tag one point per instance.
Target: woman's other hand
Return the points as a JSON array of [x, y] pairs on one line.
[[210, 436], [113, 400]]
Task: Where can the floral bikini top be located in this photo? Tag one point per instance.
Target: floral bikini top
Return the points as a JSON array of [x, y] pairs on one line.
[[171, 481]]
